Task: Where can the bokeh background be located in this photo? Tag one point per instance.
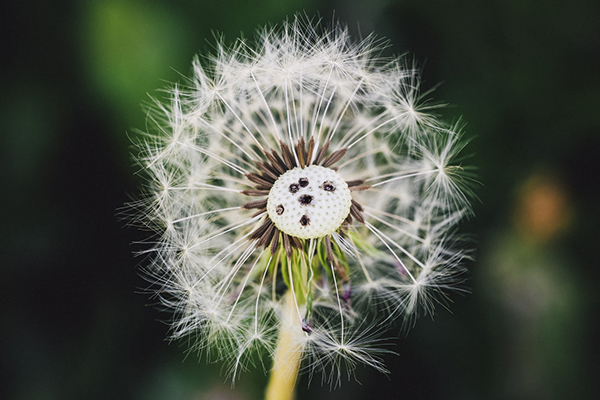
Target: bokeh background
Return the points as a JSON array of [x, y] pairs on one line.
[[523, 74]]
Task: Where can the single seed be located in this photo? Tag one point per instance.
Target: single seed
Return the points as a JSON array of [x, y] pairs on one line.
[[296, 242], [294, 188], [305, 220], [286, 245], [288, 158], [334, 157], [303, 182], [254, 192], [260, 204], [328, 186], [305, 199], [356, 182], [279, 209], [329, 250]]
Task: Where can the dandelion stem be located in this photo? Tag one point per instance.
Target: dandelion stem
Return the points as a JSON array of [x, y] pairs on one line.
[[288, 354]]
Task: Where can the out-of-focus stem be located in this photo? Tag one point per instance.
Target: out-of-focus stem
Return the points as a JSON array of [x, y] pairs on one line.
[[288, 354]]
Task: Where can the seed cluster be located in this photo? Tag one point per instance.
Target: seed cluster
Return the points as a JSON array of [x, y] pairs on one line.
[[306, 197]]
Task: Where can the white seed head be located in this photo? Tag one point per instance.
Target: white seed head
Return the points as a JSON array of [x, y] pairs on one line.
[[309, 202], [236, 133]]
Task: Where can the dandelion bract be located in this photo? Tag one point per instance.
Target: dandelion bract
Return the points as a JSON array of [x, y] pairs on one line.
[[301, 167]]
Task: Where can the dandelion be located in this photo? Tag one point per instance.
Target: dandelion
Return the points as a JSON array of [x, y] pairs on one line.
[[304, 197]]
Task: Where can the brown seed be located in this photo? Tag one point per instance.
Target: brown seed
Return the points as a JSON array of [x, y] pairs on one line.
[[328, 249], [279, 209], [303, 182], [311, 148], [321, 152], [355, 182], [287, 155], [275, 241], [280, 160], [359, 188], [286, 245], [260, 180], [265, 239], [334, 157], [301, 152], [268, 171], [357, 204], [294, 187], [260, 204], [258, 232], [252, 192], [356, 212], [274, 164], [297, 243]]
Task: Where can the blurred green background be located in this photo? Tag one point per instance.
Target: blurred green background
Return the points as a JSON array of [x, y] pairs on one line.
[[524, 75]]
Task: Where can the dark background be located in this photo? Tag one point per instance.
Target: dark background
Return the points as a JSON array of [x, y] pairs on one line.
[[523, 74]]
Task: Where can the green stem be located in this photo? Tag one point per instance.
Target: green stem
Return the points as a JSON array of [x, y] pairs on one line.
[[288, 354]]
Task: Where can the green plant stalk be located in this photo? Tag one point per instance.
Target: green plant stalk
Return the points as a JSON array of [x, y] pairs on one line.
[[288, 354]]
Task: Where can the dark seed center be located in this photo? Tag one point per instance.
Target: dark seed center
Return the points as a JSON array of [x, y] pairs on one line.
[[305, 199], [328, 186], [294, 188], [303, 182], [279, 209], [304, 220]]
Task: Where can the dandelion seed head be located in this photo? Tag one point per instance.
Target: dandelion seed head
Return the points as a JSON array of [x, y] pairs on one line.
[[303, 164]]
